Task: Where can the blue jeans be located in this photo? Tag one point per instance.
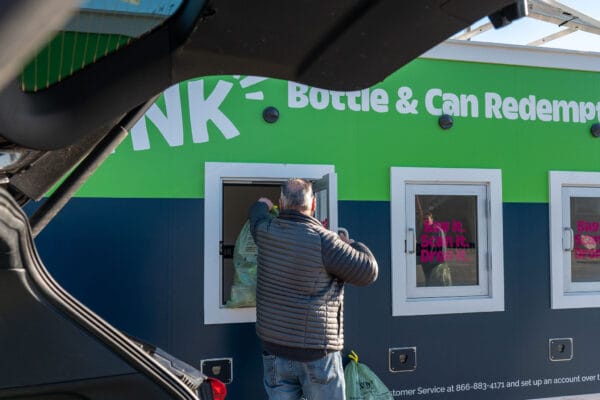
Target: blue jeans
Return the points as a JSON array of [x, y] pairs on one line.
[[322, 379]]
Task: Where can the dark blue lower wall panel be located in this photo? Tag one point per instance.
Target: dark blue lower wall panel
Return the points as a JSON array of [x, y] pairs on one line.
[[139, 264]]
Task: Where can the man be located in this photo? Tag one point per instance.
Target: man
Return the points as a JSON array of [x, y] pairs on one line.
[[302, 268]]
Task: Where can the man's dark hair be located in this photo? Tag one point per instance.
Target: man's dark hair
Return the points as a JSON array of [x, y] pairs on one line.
[[296, 194]]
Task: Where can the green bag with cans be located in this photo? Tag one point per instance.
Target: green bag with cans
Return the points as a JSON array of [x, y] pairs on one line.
[[362, 383]]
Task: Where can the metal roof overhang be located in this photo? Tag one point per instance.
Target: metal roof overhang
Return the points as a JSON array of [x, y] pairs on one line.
[[567, 19]]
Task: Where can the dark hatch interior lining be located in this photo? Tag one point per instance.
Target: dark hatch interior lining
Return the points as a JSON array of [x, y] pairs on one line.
[[336, 44]]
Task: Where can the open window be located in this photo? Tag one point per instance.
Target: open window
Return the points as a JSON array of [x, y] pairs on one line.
[[575, 239], [230, 191], [446, 241]]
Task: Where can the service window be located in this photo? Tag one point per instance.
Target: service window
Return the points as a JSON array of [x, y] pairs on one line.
[[229, 251], [446, 241], [575, 239]]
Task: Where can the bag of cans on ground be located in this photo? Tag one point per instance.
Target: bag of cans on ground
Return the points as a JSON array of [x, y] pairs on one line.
[[441, 275], [362, 383]]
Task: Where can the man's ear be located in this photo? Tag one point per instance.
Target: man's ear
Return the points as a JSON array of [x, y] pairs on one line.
[[313, 205]]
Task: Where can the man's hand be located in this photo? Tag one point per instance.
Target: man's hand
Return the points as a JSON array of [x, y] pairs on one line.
[[268, 202], [344, 235], [346, 238]]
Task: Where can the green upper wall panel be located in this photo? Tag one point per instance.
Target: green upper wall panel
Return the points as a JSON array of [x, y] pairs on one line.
[[66, 54], [96, 30], [522, 120]]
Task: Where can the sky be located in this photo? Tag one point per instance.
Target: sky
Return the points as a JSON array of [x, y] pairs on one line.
[[160, 7], [527, 29]]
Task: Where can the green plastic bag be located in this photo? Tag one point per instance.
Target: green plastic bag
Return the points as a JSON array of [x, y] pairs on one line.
[[362, 383], [245, 252], [441, 275]]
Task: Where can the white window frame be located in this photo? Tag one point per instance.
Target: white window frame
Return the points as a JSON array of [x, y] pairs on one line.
[[216, 173], [404, 302], [565, 293]]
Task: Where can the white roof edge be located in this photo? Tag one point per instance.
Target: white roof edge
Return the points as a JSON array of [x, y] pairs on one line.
[[509, 54]]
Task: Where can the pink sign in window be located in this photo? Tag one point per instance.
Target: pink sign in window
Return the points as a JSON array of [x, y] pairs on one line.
[[447, 247], [585, 223]]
